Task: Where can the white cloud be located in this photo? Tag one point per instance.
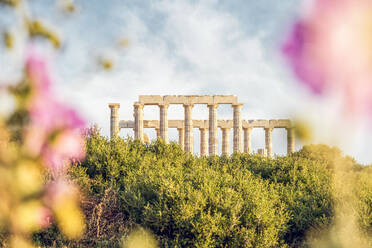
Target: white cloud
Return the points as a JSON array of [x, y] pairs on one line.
[[197, 50], [194, 47]]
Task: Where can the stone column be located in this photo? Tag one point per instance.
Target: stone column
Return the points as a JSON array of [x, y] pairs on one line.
[[157, 130], [189, 137], [213, 131], [247, 140], [269, 141], [164, 122], [237, 127], [225, 141], [203, 142], [181, 137], [138, 121], [114, 119], [146, 138], [262, 152], [290, 140]]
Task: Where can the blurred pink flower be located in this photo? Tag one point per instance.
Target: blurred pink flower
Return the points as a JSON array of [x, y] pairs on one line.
[[58, 190], [45, 217], [54, 131], [67, 145], [330, 50], [38, 73], [62, 197]]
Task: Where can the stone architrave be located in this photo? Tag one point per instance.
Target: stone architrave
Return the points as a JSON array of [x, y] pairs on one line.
[[185, 127]]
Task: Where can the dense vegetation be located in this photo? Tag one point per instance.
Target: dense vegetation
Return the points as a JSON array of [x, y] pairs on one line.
[[185, 201]]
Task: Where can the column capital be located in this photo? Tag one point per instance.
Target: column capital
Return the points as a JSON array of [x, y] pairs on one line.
[[138, 105], [188, 105], [164, 105], [247, 128], [114, 105], [180, 128], [214, 105], [237, 105], [268, 128]]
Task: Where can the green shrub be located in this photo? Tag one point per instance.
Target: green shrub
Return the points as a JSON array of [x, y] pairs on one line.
[[237, 201]]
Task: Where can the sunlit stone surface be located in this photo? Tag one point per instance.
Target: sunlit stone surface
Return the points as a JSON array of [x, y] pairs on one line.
[[185, 127]]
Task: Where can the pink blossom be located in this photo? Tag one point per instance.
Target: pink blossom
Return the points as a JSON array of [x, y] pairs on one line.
[[59, 190], [51, 115], [44, 217], [68, 144], [330, 49], [54, 131], [38, 74]]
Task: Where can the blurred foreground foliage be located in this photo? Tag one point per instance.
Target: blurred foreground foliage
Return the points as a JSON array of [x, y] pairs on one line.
[[185, 201]]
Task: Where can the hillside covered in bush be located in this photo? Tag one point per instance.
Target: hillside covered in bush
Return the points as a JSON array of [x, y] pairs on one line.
[[185, 201]]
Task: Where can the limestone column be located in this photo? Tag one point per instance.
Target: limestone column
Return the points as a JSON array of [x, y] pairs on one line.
[[203, 142], [225, 141], [262, 152], [189, 137], [114, 119], [213, 131], [164, 122], [269, 141], [290, 140], [237, 127], [247, 140], [181, 137], [138, 121], [146, 138], [157, 130]]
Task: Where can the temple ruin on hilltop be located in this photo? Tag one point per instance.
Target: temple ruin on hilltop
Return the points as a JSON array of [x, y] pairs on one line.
[[210, 127]]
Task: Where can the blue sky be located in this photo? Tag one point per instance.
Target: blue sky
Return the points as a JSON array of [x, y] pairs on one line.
[[184, 47]]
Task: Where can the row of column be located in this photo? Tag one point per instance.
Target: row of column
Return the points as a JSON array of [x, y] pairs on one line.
[[188, 127], [226, 140], [186, 139]]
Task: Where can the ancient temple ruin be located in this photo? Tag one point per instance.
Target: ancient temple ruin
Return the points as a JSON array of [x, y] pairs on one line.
[[208, 128]]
